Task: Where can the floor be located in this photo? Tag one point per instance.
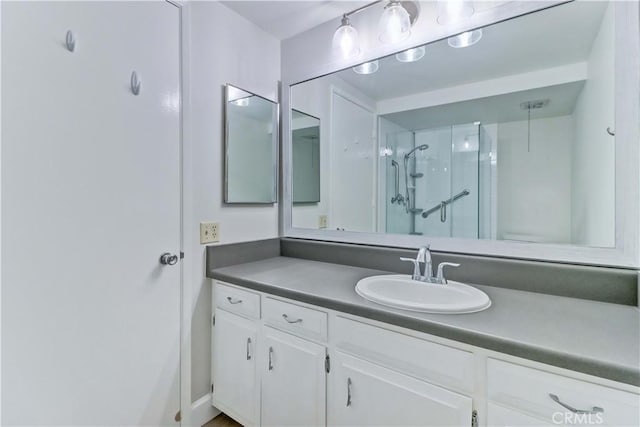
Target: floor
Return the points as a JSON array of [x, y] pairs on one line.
[[222, 421]]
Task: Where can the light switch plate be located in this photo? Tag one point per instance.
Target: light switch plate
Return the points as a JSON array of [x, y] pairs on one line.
[[322, 221], [209, 232]]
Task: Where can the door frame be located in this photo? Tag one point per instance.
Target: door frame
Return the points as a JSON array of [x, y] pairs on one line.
[[186, 204]]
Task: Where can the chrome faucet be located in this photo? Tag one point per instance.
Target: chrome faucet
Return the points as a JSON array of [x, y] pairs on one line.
[[424, 257]]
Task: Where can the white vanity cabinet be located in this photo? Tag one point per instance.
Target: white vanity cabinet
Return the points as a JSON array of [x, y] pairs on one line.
[[235, 337], [236, 386], [293, 381], [365, 394], [278, 362]]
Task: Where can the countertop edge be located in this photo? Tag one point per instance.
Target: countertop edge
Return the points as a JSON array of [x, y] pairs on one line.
[[584, 365]]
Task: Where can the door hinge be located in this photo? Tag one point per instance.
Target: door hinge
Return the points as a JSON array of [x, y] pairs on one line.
[[212, 388], [213, 322], [474, 418], [327, 363], [181, 255]]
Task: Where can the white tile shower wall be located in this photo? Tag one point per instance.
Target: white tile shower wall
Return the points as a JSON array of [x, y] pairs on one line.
[[534, 187], [225, 48], [593, 198]]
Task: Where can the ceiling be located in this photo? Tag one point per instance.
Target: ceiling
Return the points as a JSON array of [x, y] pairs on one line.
[[284, 19], [494, 109], [553, 37]]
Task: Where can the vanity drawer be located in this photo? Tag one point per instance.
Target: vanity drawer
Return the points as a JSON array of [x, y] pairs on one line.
[[296, 319], [529, 389], [237, 300], [427, 360]]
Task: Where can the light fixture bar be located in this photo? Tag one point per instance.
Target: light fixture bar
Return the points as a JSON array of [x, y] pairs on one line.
[[361, 8]]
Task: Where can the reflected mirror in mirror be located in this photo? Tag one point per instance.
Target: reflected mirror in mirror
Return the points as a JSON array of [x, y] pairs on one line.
[[305, 149], [508, 138], [251, 141]]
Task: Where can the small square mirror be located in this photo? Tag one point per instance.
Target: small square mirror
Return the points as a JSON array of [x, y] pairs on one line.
[[251, 147]]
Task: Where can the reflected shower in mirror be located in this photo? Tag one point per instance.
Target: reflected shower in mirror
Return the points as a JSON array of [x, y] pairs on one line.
[[251, 147], [504, 138], [305, 149]]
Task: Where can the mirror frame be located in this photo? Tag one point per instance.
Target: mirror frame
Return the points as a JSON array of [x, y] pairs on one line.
[[275, 144], [300, 64]]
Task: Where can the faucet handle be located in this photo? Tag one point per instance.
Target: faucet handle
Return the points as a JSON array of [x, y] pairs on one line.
[[440, 277], [416, 267]]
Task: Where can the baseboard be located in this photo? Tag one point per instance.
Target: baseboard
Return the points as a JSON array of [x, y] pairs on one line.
[[202, 411]]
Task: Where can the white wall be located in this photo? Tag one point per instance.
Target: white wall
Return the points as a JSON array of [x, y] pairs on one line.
[[534, 188], [225, 48], [593, 201]]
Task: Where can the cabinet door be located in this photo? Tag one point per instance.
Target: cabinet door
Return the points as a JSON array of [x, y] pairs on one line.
[[293, 381], [499, 416], [362, 393], [235, 382]]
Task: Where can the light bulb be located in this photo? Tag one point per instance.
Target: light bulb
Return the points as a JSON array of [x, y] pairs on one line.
[[241, 102], [367, 67], [465, 39], [411, 55], [345, 40], [395, 23], [452, 11]]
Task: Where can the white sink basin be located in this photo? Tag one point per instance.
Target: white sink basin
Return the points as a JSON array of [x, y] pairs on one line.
[[399, 291]]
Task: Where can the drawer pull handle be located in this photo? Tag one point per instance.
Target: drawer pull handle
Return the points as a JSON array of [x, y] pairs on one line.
[[594, 410], [234, 301], [271, 358], [248, 348], [349, 391], [291, 320]]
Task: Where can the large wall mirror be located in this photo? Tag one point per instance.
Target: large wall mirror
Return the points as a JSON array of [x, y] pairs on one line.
[[251, 147], [505, 134]]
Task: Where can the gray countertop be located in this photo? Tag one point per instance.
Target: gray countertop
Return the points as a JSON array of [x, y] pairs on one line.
[[596, 338]]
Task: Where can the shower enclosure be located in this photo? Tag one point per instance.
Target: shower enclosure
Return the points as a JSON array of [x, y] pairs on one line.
[[438, 182]]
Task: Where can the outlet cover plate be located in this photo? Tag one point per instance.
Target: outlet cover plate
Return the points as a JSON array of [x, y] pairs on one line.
[[209, 232]]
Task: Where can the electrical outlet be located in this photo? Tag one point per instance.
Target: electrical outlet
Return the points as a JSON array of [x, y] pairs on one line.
[[322, 221], [209, 232]]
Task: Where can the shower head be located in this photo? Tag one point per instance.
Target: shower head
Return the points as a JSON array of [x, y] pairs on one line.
[[419, 147]]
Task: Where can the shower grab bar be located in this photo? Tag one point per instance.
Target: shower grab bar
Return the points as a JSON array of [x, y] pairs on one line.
[[398, 197], [440, 205]]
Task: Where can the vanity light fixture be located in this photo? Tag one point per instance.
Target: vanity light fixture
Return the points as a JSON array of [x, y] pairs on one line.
[[411, 55], [367, 67], [345, 39], [394, 26], [452, 11], [466, 39], [395, 23]]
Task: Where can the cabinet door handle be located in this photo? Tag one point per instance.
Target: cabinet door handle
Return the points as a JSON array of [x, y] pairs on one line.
[[271, 358], [234, 301], [593, 410], [248, 348], [289, 320], [348, 391]]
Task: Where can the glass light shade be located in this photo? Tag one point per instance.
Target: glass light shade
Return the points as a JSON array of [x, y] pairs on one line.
[[242, 102], [395, 23], [345, 40], [465, 39], [411, 55], [367, 67], [452, 11]]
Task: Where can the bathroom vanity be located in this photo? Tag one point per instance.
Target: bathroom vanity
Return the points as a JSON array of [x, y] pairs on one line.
[[293, 344]]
